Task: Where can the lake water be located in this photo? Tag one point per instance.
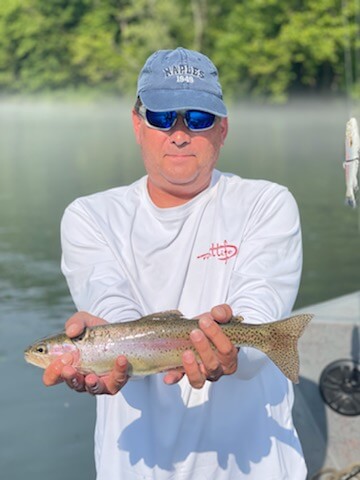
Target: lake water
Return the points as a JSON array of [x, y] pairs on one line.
[[51, 153]]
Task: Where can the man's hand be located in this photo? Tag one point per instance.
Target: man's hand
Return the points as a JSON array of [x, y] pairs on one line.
[[62, 370], [214, 363]]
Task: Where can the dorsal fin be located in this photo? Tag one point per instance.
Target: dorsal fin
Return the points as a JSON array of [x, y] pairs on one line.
[[237, 319]]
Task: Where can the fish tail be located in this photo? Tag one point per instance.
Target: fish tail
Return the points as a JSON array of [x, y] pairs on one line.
[[284, 351]]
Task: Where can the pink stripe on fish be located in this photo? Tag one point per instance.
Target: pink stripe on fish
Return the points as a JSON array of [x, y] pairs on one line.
[[61, 349]]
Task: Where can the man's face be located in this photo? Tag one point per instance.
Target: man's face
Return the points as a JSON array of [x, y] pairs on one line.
[[179, 162]]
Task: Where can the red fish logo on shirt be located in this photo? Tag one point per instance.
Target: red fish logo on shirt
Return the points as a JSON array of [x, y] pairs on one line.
[[221, 251]]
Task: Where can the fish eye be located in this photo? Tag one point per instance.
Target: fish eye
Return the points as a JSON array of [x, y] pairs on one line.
[[41, 349]]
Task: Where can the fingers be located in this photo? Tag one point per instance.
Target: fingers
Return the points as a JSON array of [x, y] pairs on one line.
[[218, 355], [210, 367], [73, 379], [109, 384], [61, 370], [225, 352], [215, 334], [173, 376], [192, 369], [53, 373], [118, 376], [75, 325], [106, 385], [222, 313]]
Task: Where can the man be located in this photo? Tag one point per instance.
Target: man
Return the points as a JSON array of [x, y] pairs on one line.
[[186, 237]]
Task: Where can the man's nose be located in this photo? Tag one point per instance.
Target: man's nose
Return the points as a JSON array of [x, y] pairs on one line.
[[180, 134]]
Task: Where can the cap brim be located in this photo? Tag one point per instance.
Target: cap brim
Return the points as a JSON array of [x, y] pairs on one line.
[[165, 100]]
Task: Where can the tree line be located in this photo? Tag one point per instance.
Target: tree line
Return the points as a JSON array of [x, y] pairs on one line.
[[262, 48]]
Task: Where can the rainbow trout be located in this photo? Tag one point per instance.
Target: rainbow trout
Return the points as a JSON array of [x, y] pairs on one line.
[[156, 342]]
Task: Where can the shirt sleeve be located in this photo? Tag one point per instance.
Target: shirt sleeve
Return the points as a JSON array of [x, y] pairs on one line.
[[96, 279], [266, 278]]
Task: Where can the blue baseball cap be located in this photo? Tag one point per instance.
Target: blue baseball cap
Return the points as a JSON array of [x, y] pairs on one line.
[[180, 79]]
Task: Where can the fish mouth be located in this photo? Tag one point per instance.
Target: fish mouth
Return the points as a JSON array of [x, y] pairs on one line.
[[29, 357], [27, 354], [33, 359]]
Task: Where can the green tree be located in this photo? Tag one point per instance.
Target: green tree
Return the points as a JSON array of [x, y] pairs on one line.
[[316, 37], [250, 53], [263, 48], [114, 38], [272, 46], [34, 43]]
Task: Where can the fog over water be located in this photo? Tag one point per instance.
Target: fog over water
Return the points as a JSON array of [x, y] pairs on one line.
[[51, 153]]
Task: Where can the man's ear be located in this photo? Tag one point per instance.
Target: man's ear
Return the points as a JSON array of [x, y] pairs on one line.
[[224, 129], [136, 121]]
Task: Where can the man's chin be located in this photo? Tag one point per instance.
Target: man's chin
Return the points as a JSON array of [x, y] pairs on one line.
[[185, 187]]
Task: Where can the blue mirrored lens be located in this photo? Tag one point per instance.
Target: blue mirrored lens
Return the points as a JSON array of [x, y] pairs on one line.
[[194, 119], [197, 120], [164, 120]]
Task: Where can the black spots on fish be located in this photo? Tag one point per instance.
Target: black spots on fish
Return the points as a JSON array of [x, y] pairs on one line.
[[293, 326]]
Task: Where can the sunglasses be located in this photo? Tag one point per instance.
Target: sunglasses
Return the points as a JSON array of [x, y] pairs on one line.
[[195, 120]]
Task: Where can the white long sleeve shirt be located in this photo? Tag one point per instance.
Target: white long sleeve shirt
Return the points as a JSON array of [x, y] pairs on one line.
[[237, 242]]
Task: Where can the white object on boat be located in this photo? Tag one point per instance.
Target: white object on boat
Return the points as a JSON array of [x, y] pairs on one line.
[[351, 164]]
